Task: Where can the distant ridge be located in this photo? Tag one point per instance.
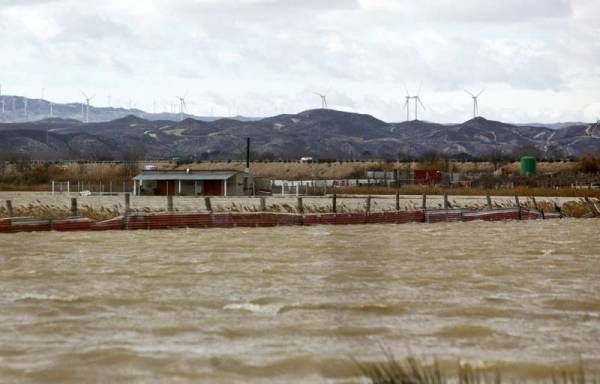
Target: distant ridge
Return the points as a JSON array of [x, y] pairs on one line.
[[38, 109], [319, 133]]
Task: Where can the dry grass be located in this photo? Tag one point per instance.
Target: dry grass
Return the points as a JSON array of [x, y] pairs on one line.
[[351, 170], [413, 371], [15, 178], [465, 191], [47, 211], [38, 209]]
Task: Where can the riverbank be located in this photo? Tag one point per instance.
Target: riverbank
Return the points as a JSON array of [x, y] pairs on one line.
[[42, 205]]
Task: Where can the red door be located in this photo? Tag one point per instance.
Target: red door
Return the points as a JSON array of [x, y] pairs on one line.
[[165, 187], [213, 187]]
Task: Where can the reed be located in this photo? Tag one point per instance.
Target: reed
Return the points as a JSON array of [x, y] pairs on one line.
[[38, 209], [467, 191], [414, 371]]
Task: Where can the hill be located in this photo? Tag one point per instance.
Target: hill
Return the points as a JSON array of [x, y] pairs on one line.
[[320, 133]]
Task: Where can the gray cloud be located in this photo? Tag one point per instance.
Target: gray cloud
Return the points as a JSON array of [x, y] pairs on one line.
[[265, 55]]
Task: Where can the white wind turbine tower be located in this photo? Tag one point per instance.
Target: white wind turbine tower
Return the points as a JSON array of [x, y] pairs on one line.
[[407, 102], [406, 106], [475, 102], [182, 106], [87, 106], [25, 101], [417, 100], [323, 100]]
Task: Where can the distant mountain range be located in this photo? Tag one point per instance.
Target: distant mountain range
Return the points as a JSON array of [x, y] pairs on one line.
[[18, 109], [321, 133]]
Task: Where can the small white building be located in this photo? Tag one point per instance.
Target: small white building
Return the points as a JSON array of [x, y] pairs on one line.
[[192, 183]]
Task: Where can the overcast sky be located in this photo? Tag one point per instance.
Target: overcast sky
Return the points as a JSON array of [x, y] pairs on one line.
[[539, 60]]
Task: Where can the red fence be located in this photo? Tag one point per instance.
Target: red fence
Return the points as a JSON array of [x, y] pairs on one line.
[[229, 220]]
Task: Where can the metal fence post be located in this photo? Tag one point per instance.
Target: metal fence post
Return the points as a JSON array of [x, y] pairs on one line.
[[73, 207], [263, 204], [170, 203], [9, 208]]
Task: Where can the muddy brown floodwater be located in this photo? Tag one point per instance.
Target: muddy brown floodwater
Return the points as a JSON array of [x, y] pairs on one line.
[[295, 304]]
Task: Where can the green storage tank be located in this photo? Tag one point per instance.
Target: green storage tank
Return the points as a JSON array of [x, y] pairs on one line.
[[528, 165]]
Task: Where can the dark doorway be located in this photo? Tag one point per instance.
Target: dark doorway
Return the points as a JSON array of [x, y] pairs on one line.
[[213, 187], [165, 187]]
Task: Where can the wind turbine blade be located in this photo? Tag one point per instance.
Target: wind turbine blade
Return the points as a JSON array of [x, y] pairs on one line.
[[472, 95], [419, 100], [479, 94], [405, 105], [406, 89], [419, 92]]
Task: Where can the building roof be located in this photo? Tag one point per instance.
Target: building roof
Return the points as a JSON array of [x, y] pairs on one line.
[[182, 175]]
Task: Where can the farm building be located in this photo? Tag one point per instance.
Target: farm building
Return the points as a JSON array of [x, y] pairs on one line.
[[193, 183]]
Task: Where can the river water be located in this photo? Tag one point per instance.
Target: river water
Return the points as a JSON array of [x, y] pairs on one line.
[[295, 304]]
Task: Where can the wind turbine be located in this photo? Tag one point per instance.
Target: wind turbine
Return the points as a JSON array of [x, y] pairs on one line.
[[87, 104], [25, 101], [182, 106], [475, 104], [323, 100], [406, 106], [417, 100]]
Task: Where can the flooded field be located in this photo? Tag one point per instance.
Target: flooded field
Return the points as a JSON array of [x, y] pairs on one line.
[[296, 304]]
